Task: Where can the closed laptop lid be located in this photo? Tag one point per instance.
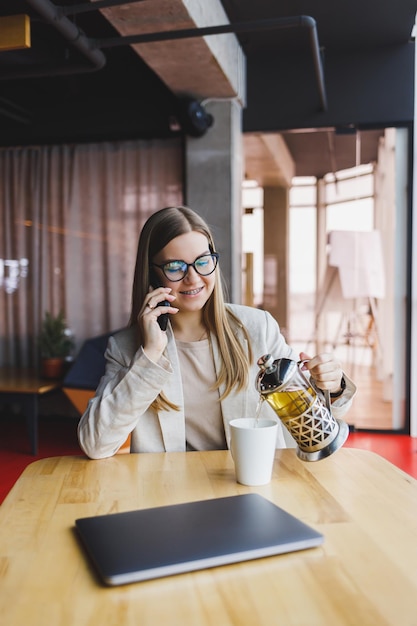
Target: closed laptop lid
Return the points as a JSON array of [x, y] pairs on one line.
[[150, 543]]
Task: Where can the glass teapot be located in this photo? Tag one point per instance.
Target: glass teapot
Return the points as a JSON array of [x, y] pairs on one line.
[[304, 411]]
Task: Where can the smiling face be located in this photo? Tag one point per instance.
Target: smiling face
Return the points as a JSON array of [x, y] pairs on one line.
[[193, 291]]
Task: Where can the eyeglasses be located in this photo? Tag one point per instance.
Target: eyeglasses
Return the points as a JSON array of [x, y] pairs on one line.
[[177, 270]]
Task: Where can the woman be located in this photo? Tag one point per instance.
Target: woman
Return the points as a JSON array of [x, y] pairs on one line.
[[177, 389]]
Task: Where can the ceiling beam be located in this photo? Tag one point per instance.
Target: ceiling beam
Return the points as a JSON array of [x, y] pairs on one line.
[[203, 67], [268, 160]]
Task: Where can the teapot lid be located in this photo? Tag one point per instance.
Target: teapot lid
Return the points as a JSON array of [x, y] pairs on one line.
[[283, 370]]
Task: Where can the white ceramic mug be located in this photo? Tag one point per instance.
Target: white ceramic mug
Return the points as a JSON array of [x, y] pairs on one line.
[[252, 444]]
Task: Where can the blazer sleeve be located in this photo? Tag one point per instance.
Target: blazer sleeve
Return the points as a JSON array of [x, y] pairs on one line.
[[342, 404], [125, 392]]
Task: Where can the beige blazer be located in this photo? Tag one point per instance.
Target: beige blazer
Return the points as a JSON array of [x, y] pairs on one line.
[[131, 382]]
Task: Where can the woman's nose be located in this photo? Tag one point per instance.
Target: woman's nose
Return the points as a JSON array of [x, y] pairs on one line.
[[191, 277]]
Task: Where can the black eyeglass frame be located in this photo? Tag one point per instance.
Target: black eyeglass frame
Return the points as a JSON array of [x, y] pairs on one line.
[[214, 255]]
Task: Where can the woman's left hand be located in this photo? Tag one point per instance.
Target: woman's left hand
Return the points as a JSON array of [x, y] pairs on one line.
[[325, 370]]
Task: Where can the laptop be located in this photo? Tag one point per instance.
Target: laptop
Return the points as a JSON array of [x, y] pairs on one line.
[[151, 543]]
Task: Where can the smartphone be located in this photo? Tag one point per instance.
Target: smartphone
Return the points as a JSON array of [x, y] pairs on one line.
[[162, 319]]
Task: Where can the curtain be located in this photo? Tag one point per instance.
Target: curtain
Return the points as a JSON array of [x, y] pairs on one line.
[[71, 216]]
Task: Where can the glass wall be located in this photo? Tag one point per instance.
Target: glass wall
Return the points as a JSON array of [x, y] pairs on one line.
[[357, 306]]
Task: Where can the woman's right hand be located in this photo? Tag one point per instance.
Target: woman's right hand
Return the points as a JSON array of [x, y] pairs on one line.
[[155, 339]]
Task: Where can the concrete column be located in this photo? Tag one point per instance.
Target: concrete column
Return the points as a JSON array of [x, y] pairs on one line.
[[321, 266], [276, 253], [321, 221], [413, 261], [213, 186]]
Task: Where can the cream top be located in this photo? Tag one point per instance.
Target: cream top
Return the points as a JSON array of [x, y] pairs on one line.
[[204, 428]]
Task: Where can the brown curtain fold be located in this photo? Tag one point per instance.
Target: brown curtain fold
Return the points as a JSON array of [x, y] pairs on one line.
[[70, 221]]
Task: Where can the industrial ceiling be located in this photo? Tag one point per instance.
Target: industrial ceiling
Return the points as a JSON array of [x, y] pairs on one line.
[[81, 79]]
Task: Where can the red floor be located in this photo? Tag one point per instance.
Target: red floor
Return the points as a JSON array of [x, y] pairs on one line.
[[56, 437], [401, 450]]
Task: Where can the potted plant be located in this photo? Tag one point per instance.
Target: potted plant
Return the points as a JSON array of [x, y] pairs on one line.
[[55, 344]]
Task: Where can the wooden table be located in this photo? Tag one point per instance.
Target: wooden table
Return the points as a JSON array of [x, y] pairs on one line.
[[365, 573], [24, 386]]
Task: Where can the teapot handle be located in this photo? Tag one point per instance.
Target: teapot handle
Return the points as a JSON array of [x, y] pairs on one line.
[[327, 399], [325, 392], [302, 362]]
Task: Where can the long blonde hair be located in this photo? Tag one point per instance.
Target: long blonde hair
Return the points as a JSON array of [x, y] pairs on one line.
[[158, 231]]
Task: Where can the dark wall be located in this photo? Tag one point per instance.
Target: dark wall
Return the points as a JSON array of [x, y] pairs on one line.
[[374, 87]]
